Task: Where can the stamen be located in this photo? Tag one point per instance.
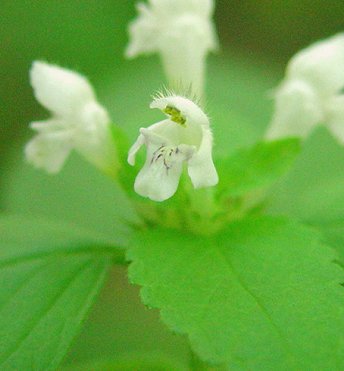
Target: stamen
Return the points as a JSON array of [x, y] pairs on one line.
[[165, 155], [175, 115]]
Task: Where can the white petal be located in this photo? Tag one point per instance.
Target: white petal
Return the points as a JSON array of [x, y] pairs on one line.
[[182, 32], [191, 133], [93, 137], [158, 181], [60, 90], [93, 116], [201, 167], [135, 148], [162, 133], [162, 21], [171, 7], [49, 126], [157, 185], [184, 137], [185, 68], [143, 33], [321, 65], [49, 151], [205, 7], [190, 110], [192, 38], [166, 132], [335, 121], [196, 15], [92, 125], [297, 111]]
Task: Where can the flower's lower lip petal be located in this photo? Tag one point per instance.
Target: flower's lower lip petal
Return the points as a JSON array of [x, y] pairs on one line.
[[158, 187], [159, 178]]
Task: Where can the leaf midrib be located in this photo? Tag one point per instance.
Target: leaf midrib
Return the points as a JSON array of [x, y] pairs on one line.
[[92, 292], [42, 315], [264, 311]]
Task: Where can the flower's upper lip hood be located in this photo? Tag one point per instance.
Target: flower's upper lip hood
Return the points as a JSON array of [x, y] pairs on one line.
[[187, 108]]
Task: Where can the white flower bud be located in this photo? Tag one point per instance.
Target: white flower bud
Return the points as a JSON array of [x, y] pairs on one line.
[[184, 137]]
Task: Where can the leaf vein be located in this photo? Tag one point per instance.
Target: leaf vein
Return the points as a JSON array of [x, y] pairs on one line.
[[36, 322]]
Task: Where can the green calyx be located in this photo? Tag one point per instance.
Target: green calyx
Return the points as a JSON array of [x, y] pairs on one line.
[[175, 115]]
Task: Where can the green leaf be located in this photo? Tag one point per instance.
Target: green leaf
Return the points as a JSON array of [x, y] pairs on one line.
[[50, 275], [314, 190], [134, 362], [118, 326], [263, 295], [333, 235], [79, 195], [257, 167]]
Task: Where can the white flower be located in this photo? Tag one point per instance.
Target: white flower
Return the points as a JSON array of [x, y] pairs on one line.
[[184, 137], [182, 32], [312, 92], [78, 121]]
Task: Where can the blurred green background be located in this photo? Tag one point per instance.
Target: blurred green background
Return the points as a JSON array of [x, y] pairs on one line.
[[257, 38]]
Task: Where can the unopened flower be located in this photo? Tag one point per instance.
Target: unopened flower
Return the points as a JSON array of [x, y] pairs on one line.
[[183, 138], [312, 92], [182, 32], [78, 121]]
